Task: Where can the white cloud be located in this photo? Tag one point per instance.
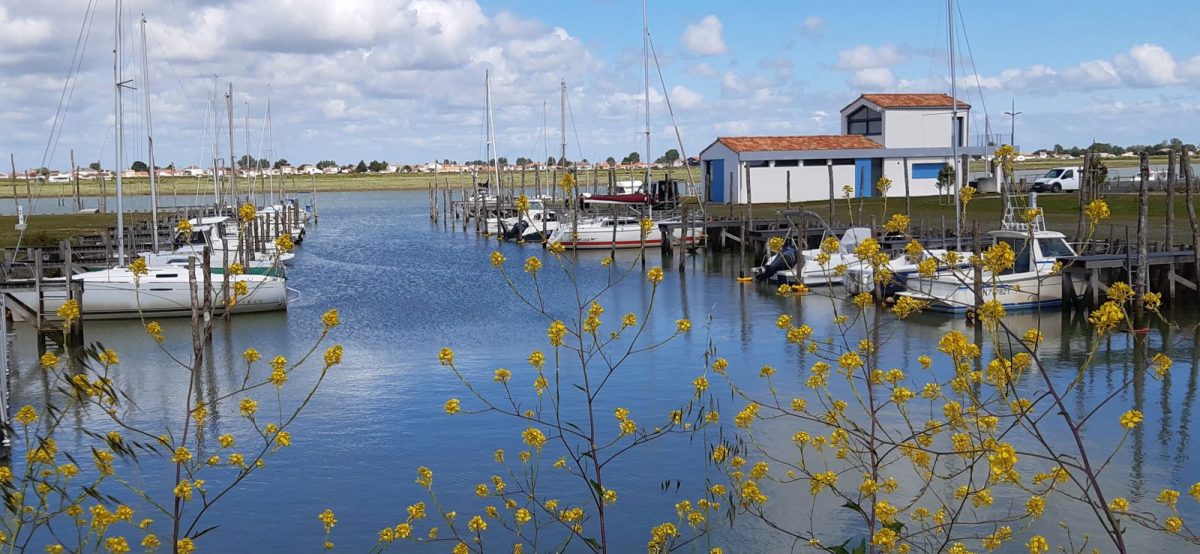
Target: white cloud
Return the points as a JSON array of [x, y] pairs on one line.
[[702, 69], [685, 98], [1147, 65], [878, 77], [704, 37], [22, 32], [812, 25], [866, 57]]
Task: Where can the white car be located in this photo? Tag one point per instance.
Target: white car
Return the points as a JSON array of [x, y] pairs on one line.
[[1057, 180]]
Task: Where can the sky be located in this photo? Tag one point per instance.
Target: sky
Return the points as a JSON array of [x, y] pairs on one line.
[[403, 80]]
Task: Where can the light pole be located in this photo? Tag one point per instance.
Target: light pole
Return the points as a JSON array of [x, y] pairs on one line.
[[1012, 132]]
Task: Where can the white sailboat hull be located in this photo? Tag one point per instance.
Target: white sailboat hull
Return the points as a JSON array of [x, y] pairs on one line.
[[164, 292]]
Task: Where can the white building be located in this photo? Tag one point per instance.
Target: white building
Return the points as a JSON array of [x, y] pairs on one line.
[[883, 135]]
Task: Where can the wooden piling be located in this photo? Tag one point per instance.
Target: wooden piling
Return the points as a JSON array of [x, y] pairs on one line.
[[977, 280], [1143, 270], [1171, 201], [1185, 165], [907, 194]]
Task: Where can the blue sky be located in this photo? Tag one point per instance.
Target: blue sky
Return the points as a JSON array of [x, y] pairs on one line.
[[403, 80]]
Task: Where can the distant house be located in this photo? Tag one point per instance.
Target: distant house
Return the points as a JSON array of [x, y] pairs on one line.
[[308, 169], [904, 137], [331, 170]]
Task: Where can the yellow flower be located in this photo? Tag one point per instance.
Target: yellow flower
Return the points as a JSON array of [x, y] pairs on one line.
[[446, 356], [331, 319], [138, 267], [181, 455], [185, 546], [108, 357], [26, 415], [247, 407], [1170, 497], [247, 212], [497, 260], [251, 355], [1173, 524], [775, 244], [906, 306], [477, 524], [333, 355], [116, 545], [1106, 318], [502, 375], [522, 203], [284, 243], [999, 257], [1035, 506], [533, 264], [1131, 419], [1037, 545], [152, 328], [683, 325], [654, 275], [184, 490], [556, 247], [237, 269], [1096, 211], [646, 226], [452, 406], [1119, 504], [327, 520], [534, 437], [556, 332], [68, 312], [897, 224]]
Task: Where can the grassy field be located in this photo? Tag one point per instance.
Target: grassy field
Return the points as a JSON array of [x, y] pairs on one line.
[[304, 183], [1028, 165], [1061, 213], [47, 230]]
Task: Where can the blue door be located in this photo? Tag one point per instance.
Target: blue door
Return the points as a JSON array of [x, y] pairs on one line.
[[716, 181], [862, 178]]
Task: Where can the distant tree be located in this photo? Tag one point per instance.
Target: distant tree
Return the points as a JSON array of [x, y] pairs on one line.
[[503, 161], [171, 166], [264, 163], [361, 167], [245, 162], [281, 162], [406, 169], [632, 158], [139, 166], [523, 161], [610, 160], [94, 166], [551, 161], [671, 156], [446, 161], [945, 181], [1058, 149], [376, 166], [45, 171], [326, 163]]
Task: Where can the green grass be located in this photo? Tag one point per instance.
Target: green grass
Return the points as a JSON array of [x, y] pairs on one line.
[[47, 230], [1027, 165], [188, 186]]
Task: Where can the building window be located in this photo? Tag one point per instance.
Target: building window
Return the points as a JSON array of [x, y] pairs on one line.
[[844, 161], [864, 121], [787, 163], [812, 163], [926, 170], [757, 164]]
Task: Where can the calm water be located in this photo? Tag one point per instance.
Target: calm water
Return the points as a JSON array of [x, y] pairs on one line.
[[405, 288]]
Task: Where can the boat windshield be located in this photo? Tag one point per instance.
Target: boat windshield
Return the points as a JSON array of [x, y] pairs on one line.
[[1053, 173], [1021, 263], [1054, 248]]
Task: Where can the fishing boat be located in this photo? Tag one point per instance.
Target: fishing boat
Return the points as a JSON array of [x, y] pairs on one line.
[[861, 277], [1030, 283], [809, 271]]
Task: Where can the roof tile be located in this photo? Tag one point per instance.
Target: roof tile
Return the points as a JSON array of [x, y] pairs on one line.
[[809, 142], [923, 100]]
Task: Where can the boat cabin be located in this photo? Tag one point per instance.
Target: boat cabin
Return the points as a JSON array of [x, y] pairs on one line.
[[1037, 254]]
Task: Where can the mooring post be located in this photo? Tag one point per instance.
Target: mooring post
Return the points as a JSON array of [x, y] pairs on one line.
[[829, 169], [789, 190], [1143, 270], [1185, 164], [977, 284], [1171, 203]]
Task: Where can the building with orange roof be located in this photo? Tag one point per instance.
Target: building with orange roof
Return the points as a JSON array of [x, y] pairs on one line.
[[898, 136]]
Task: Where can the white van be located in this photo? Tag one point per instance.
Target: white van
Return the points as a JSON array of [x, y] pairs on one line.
[[1057, 180]]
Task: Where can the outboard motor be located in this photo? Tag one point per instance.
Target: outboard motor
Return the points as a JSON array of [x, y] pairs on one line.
[[516, 231], [782, 260]]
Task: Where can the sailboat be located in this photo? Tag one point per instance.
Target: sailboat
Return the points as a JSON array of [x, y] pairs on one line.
[[119, 292], [624, 230]]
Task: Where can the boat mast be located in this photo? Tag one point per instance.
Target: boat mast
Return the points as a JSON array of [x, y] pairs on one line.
[[646, 76], [232, 162], [954, 129], [150, 138], [491, 131], [270, 150], [216, 148], [562, 123], [118, 78]]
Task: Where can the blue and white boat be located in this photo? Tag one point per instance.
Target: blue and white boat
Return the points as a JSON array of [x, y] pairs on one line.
[[1030, 283]]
